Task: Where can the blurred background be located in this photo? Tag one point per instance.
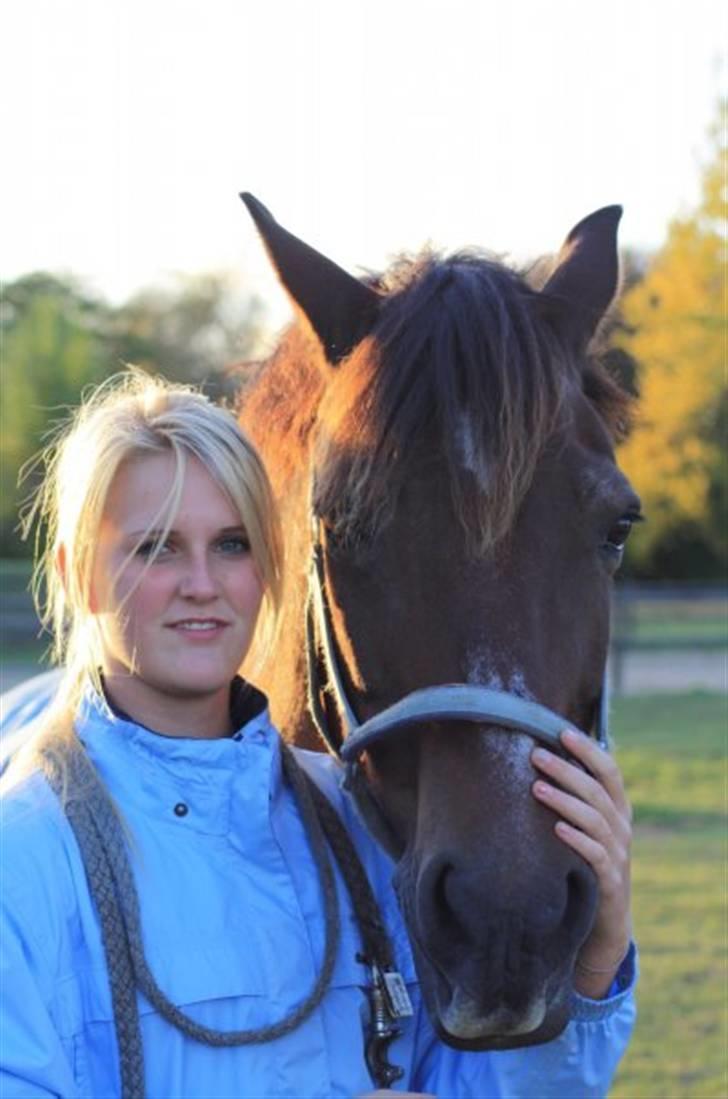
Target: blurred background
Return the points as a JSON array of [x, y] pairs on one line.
[[371, 128]]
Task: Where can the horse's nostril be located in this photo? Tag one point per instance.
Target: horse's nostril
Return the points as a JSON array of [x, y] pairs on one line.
[[448, 909], [441, 902], [580, 899]]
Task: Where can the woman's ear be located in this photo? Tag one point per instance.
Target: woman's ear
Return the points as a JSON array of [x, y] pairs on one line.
[[59, 562]]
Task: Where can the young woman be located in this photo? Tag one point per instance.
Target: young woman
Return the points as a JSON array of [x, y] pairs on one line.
[[163, 928]]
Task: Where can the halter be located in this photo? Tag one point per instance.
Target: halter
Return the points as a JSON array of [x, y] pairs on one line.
[[444, 702]]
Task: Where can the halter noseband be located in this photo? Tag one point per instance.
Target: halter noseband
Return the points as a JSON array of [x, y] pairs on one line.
[[450, 701]]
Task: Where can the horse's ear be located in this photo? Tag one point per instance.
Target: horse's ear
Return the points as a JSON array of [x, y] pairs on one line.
[[586, 276], [340, 309]]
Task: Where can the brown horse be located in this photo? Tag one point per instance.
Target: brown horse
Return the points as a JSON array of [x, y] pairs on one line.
[[442, 440]]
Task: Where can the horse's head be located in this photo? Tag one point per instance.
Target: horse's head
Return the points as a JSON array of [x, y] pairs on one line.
[[450, 438]]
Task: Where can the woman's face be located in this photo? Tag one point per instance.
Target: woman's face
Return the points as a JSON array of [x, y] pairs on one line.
[[183, 623]]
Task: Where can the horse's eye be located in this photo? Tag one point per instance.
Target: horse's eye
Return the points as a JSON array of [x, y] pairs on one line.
[[620, 531]]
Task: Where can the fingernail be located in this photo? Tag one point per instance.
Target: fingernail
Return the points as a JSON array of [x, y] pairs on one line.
[[542, 789], [540, 755], [570, 736]]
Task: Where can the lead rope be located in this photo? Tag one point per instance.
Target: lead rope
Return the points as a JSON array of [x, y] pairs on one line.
[[99, 834], [82, 798]]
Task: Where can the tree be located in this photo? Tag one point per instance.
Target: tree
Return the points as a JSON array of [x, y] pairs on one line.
[[189, 330], [52, 345], [55, 339], [675, 320]]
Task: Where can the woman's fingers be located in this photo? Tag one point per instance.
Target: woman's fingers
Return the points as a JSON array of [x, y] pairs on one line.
[[589, 819], [593, 818], [609, 871], [576, 812], [600, 764], [587, 786]]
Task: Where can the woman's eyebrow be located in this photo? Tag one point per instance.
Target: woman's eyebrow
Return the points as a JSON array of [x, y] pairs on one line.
[[154, 533]]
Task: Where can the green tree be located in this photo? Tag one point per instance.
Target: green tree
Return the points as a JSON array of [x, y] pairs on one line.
[[55, 339], [51, 346], [190, 330], [675, 321]]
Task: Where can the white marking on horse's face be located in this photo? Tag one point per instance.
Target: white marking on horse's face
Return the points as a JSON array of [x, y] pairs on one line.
[[480, 671], [513, 749], [462, 1019], [471, 460]]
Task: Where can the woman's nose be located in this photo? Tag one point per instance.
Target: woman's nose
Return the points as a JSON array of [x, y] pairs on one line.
[[198, 581]]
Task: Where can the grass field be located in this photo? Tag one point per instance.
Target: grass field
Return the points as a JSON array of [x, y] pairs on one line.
[[672, 749], [669, 621]]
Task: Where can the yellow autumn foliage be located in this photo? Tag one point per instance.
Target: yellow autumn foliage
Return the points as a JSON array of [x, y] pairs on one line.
[[676, 331]]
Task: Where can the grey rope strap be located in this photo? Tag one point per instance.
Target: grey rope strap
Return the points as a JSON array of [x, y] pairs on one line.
[[375, 940], [100, 837], [81, 792], [147, 984]]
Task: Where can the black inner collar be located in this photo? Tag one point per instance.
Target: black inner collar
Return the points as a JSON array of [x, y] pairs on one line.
[[246, 702]]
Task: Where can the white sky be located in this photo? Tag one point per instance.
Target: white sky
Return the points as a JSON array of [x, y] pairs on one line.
[[366, 126]]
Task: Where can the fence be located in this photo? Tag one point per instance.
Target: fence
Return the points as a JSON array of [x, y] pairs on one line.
[[663, 635], [669, 636]]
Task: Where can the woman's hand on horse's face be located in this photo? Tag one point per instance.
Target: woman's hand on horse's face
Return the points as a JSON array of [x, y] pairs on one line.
[[595, 819]]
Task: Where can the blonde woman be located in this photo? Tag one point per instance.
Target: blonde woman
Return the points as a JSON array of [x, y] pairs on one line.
[[169, 907]]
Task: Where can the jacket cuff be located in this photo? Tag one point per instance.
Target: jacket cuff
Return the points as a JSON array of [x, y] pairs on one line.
[[584, 1010]]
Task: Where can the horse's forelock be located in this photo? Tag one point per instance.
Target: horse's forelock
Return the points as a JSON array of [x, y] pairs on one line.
[[462, 366], [461, 348]]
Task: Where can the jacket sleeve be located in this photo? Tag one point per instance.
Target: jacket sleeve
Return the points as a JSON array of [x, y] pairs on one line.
[[33, 1061], [579, 1064]]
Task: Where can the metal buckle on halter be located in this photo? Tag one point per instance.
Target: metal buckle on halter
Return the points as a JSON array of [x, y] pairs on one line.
[[389, 1001]]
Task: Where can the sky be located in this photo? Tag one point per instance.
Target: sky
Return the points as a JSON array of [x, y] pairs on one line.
[[367, 127]]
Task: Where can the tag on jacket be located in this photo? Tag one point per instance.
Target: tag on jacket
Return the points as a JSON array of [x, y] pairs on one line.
[[398, 1000]]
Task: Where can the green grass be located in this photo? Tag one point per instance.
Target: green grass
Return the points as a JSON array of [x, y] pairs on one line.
[[672, 749], [673, 621], [703, 628]]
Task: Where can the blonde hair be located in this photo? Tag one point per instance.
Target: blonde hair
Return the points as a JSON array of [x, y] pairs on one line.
[[129, 415]]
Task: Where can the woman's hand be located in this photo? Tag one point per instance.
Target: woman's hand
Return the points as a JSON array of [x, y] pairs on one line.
[[595, 819]]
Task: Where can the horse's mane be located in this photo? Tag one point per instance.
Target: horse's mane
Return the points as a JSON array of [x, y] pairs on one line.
[[463, 366]]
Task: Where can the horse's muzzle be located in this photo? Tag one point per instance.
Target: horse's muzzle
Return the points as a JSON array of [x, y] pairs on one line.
[[495, 976]]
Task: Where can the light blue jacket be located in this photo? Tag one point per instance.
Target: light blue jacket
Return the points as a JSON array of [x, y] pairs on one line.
[[233, 932]]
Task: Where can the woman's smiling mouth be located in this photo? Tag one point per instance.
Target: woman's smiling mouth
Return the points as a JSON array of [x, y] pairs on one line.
[[204, 628]]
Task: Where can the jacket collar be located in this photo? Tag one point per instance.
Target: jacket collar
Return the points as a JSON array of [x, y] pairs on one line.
[[184, 781]]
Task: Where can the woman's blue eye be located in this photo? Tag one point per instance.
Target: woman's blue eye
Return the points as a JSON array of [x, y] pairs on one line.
[[152, 548], [234, 544]]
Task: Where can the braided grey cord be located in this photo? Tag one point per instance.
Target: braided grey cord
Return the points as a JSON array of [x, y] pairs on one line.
[[113, 932], [377, 947], [103, 847]]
